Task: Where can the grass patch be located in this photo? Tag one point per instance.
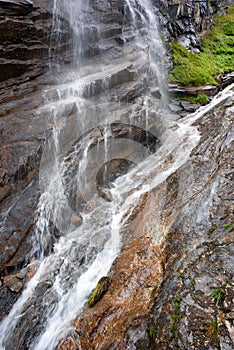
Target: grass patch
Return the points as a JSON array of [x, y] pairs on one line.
[[216, 56], [202, 99]]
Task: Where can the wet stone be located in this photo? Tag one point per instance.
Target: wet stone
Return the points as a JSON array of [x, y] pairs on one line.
[[14, 282]]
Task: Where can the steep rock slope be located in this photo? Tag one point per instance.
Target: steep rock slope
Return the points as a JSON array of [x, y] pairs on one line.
[[25, 56], [26, 49], [177, 294]]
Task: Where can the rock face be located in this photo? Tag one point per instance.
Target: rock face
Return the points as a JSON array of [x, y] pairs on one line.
[[135, 278], [188, 21], [177, 294], [149, 288], [24, 26], [26, 46], [24, 29]]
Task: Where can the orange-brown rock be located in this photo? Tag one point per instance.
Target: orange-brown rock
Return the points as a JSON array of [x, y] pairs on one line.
[[14, 282], [135, 280]]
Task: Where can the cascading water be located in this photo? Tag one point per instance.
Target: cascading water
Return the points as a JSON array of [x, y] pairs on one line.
[[77, 234]]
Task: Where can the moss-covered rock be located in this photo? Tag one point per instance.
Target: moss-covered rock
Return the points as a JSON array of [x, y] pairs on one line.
[[101, 288], [215, 58]]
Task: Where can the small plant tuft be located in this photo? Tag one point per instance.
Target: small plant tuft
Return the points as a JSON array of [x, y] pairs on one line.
[[177, 301], [152, 332], [219, 295], [212, 228], [226, 226], [148, 312], [202, 99], [212, 331], [176, 316], [175, 321]]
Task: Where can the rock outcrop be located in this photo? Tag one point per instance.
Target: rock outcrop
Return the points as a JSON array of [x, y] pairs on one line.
[[177, 294], [187, 21]]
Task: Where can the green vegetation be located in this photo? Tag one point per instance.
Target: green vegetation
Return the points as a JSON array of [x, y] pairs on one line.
[[202, 99], [212, 228], [216, 56], [148, 312], [176, 317], [213, 330], [99, 291], [177, 302], [152, 332], [219, 295], [226, 226]]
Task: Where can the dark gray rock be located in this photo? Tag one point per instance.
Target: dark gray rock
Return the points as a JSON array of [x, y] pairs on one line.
[[180, 91], [188, 21]]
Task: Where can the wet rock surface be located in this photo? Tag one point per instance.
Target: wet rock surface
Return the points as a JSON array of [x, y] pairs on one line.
[[24, 28], [178, 294], [24, 41], [195, 261], [26, 49], [135, 279], [27, 46], [188, 21]]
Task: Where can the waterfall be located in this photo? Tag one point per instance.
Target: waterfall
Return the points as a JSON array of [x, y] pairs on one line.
[[111, 80]]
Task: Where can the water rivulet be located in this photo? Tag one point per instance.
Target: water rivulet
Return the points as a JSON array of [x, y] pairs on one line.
[[111, 135]]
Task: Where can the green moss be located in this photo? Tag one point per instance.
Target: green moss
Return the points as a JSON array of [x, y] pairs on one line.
[[176, 316], [202, 99], [148, 313], [99, 291], [216, 56], [175, 321]]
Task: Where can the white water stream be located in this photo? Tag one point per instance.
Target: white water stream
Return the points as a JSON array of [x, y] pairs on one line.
[[85, 253]]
